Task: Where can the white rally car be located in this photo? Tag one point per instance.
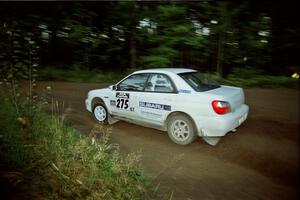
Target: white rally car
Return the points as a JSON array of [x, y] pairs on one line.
[[183, 102]]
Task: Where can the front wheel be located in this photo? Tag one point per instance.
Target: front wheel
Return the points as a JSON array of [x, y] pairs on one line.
[[100, 113], [181, 130]]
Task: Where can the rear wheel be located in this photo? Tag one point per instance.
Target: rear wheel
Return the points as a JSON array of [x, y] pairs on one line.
[[100, 113], [181, 129]]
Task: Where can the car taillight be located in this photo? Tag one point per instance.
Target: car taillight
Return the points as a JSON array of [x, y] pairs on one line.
[[220, 107]]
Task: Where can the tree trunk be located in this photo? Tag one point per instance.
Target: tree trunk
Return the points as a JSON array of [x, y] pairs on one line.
[[132, 52], [220, 54], [223, 23]]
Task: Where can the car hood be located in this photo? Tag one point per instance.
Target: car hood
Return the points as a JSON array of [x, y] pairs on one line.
[[99, 91]]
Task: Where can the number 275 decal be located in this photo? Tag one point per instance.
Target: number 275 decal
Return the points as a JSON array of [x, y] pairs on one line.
[[122, 103]]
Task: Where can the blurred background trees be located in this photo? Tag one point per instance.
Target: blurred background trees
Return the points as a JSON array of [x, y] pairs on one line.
[[117, 36]]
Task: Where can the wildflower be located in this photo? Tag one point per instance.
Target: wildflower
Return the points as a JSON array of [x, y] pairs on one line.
[[22, 120], [295, 75]]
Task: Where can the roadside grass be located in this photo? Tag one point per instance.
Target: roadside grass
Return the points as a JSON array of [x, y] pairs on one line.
[[246, 77], [261, 81], [78, 75], [56, 161], [249, 77]]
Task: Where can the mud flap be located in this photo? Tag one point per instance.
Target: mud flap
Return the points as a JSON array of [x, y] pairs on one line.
[[111, 120], [211, 140]]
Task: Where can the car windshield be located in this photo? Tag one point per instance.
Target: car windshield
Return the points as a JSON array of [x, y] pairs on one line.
[[199, 82]]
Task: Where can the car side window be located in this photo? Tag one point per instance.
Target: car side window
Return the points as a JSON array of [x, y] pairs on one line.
[[159, 83], [136, 82]]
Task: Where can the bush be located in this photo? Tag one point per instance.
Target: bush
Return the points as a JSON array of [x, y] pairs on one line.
[[78, 75], [62, 163], [250, 77]]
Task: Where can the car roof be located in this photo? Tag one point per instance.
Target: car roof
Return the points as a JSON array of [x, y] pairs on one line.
[[166, 70]]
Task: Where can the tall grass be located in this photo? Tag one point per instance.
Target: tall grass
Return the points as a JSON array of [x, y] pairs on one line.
[[40, 152], [62, 163], [242, 77], [250, 77], [78, 75]]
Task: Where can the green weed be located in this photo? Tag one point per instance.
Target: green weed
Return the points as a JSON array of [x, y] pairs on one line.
[[239, 77], [78, 75], [249, 77], [64, 163]]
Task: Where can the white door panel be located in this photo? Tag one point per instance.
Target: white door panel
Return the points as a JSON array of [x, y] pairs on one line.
[[124, 103], [154, 107]]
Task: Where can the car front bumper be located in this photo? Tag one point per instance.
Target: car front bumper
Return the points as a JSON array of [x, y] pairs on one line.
[[88, 105], [222, 124]]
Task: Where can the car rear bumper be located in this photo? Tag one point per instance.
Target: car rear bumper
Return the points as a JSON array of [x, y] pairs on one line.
[[220, 125]]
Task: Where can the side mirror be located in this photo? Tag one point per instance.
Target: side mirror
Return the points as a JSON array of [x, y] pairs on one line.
[[113, 87]]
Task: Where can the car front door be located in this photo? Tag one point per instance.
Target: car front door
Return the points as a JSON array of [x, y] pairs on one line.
[[124, 101]]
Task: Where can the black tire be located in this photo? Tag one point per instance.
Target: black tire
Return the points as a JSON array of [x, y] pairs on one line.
[[181, 129], [100, 113]]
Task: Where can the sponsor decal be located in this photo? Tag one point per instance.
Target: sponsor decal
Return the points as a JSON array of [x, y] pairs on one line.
[[155, 106], [184, 91], [122, 100], [122, 95], [112, 102]]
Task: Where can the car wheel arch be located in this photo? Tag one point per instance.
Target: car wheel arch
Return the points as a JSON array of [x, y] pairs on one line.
[[179, 113], [97, 100]]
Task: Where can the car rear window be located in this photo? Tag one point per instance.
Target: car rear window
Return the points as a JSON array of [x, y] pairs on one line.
[[199, 82]]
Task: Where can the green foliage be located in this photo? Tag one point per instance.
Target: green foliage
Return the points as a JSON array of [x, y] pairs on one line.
[[251, 77], [48, 157], [174, 36], [156, 61], [114, 36], [12, 151], [168, 13], [255, 41], [19, 60], [161, 56], [243, 77], [66, 164], [78, 75]]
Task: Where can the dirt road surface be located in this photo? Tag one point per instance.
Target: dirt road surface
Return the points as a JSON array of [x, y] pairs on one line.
[[259, 161]]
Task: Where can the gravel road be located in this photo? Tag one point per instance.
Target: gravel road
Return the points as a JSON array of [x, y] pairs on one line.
[[259, 161]]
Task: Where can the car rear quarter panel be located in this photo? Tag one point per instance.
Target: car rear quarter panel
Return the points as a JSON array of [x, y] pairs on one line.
[[196, 105]]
